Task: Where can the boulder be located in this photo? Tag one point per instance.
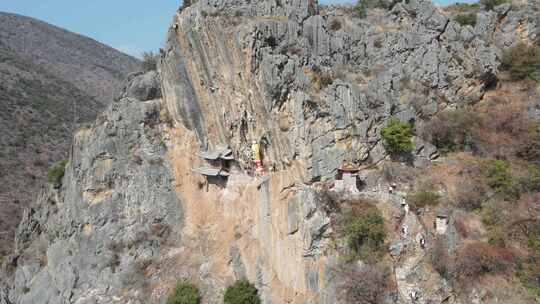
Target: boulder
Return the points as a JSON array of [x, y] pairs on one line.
[[144, 87]]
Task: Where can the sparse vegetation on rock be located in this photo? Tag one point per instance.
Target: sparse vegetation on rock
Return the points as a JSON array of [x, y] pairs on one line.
[[530, 182], [423, 198], [365, 232], [491, 4], [56, 172], [397, 136], [529, 269], [471, 192], [440, 258], [466, 19], [335, 25], [241, 292], [529, 275], [321, 79], [530, 149], [453, 130], [184, 293], [498, 128], [464, 7], [371, 288], [476, 259], [471, 261], [522, 62], [360, 9], [501, 180], [149, 62]]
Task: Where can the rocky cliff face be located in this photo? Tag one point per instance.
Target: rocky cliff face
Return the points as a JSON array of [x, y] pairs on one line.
[[39, 111], [314, 93], [132, 217], [51, 81]]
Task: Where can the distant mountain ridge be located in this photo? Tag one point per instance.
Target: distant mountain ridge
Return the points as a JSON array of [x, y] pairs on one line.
[[51, 81], [91, 66]]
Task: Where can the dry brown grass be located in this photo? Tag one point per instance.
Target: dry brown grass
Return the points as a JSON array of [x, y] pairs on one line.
[[504, 126], [461, 227], [499, 126], [370, 289], [440, 258], [461, 178], [523, 219], [478, 258]]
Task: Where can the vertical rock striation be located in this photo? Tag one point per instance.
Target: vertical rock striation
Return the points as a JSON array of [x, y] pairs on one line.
[[132, 216], [278, 72]]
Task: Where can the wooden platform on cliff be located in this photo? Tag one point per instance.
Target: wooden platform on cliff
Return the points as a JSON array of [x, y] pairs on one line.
[[212, 172], [220, 153]]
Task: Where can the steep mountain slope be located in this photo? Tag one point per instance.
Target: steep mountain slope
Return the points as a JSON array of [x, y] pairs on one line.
[[313, 87], [39, 112], [51, 81], [92, 67]]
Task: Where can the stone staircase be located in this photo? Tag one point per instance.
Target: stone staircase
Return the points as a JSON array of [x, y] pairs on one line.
[[409, 285]]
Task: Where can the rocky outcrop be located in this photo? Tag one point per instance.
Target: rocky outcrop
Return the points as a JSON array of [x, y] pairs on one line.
[[84, 242], [51, 82], [267, 71], [133, 216], [143, 86]]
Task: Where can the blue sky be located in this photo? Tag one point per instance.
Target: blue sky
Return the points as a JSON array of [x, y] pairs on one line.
[[132, 26]]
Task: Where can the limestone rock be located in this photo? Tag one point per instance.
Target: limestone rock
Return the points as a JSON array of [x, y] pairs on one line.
[[95, 235], [144, 87], [132, 217]]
